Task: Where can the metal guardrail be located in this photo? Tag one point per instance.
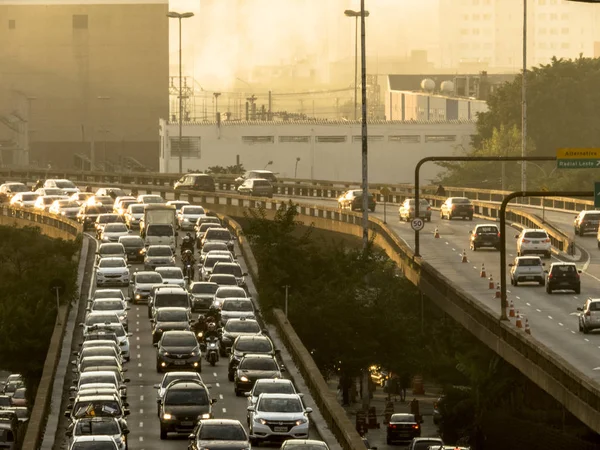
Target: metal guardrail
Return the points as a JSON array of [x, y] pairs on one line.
[[70, 228]]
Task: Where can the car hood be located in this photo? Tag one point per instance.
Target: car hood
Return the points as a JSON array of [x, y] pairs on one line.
[[188, 411], [144, 286], [178, 349], [158, 258], [172, 326], [192, 216], [282, 416], [236, 314], [224, 445], [112, 270], [174, 281], [256, 374]]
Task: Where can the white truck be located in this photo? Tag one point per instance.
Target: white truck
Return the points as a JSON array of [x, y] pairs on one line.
[[158, 226]]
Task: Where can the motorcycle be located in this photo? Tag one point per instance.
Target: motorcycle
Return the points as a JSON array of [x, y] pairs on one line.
[[188, 272], [212, 350]]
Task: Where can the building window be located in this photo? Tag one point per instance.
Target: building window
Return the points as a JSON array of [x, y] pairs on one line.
[[190, 146], [487, 16], [553, 16], [80, 21], [564, 16], [543, 16], [12, 24], [565, 45], [405, 138], [542, 45], [553, 30], [564, 31], [331, 139], [250, 140], [440, 138], [475, 16], [294, 139], [542, 2], [370, 138], [464, 31], [542, 31], [475, 31]]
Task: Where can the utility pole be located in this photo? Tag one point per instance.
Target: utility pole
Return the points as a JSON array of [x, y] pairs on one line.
[[287, 287], [524, 102]]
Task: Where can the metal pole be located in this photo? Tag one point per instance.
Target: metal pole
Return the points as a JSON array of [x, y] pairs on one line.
[[385, 209], [286, 299], [180, 104], [524, 102], [356, 66], [365, 167], [56, 289]]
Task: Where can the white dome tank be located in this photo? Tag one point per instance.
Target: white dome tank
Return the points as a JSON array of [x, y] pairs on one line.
[[428, 84], [447, 87]]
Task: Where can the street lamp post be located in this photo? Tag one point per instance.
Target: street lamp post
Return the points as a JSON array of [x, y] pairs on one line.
[[356, 15], [524, 102], [296, 167], [175, 15]]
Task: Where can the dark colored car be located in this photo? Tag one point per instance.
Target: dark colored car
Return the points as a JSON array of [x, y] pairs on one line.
[[88, 213], [185, 402], [402, 427], [134, 246], [586, 222], [484, 235], [457, 207], [237, 327], [248, 344], [178, 349], [202, 294], [169, 319], [353, 200], [217, 434], [251, 368], [256, 187], [563, 276], [195, 182]]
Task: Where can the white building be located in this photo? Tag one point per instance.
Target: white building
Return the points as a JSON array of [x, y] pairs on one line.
[[326, 150]]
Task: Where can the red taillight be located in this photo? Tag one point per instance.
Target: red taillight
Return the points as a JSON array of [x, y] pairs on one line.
[[416, 426], [549, 276], [546, 241], [453, 206], [577, 275], [474, 234], [525, 241], [588, 313], [391, 426], [498, 234]]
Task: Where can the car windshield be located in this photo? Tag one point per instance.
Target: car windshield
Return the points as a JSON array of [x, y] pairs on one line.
[[101, 318], [237, 305], [486, 230], [206, 226], [153, 199], [28, 197], [108, 293], [204, 288], [536, 235], [18, 188], [131, 242], [171, 273], [426, 445], [563, 268], [229, 292], [160, 230], [148, 278], [159, 251], [402, 418], [186, 397], [170, 377], [212, 260], [116, 228], [286, 405], [176, 300], [65, 184], [461, 200], [594, 306], [258, 364], [136, 209], [273, 388], [105, 361], [178, 340], [107, 305], [530, 262], [111, 249], [242, 326], [171, 316], [261, 183], [254, 346], [92, 378], [592, 216], [118, 330], [195, 210], [117, 262], [220, 432], [97, 408], [96, 427], [209, 246], [218, 235], [231, 269]]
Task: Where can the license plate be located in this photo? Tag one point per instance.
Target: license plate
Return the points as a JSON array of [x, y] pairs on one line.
[[179, 363], [564, 283], [487, 243], [187, 424], [529, 278], [280, 429]]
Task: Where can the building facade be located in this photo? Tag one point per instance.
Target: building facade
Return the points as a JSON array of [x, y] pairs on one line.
[[82, 84]]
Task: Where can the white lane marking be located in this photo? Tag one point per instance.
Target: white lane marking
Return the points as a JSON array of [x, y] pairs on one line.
[[560, 324], [217, 384], [139, 364], [138, 322], [550, 317], [596, 368], [141, 438], [215, 374], [139, 356], [575, 297], [574, 314], [586, 339], [220, 396], [141, 411], [446, 242], [224, 411], [140, 375], [475, 267], [138, 346], [141, 398], [137, 338], [538, 310], [138, 316], [137, 330], [141, 424], [572, 332], [453, 249]]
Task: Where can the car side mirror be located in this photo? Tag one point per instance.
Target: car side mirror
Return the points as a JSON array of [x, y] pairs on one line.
[[67, 414], [579, 271], [125, 431], [245, 274], [129, 334], [68, 433], [213, 401], [543, 264], [300, 394], [516, 236], [282, 369], [74, 370], [511, 265], [126, 380], [128, 308], [152, 320], [124, 370], [545, 271], [155, 344], [126, 412], [579, 308], [191, 437], [76, 353], [308, 410], [251, 408], [247, 394]]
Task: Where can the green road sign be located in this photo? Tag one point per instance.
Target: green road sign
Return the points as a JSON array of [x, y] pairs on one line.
[[597, 194], [577, 163], [577, 158]]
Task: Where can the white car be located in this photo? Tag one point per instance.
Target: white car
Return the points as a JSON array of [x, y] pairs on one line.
[[148, 199], [44, 202], [24, 199], [81, 197], [534, 241], [112, 271], [95, 378], [236, 308], [224, 292], [66, 208], [100, 442], [274, 409], [67, 186], [270, 386], [113, 231], [114, 305], [133, 215], [122, 337], [214, 246], [178, 204], [171, 275], [527, 269], [209, 263], [99, 426], [188, 216]]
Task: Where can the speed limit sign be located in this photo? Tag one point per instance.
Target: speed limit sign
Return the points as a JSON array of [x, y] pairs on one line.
[[417, 224]]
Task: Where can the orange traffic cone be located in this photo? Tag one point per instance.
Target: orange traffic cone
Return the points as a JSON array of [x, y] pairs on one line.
[[527, 329], [497, 290], [519, 322], [482, 274], [464, 256], [511, 309], [436, 233], [491, 283]]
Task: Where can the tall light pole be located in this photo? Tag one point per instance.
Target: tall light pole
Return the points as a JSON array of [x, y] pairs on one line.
[[175, 15], [365, 167], [524, 102], [356, 15], [104, 130]]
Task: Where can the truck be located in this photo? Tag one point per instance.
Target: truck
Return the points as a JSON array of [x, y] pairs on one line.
[[158, 226]]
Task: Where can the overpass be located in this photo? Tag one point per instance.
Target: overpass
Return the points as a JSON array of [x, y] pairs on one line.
[[555, 356]]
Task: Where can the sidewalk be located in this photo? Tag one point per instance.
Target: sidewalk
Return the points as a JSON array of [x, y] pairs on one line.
[[377, 436]]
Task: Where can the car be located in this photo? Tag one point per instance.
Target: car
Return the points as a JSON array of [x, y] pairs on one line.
[[100, 426], [278, 417], [93, 319], [236, 308], [111, 232], [89, 212], [457, 207], [158, 255], [188, 216], [96, 406], [133, 247], [232, 268], [437, 413], [168, 378], [406, 211], [527, 269], [253, 366], [201, 229], [19, 398], [219, 235], [22, 413], [208, 263], [184, 404], [104, 377], [223, 279], [66, 208], [224, 292], [219, 434], [5, 400], [121, 203], [119, 331], [214, 246], [248, 344], [112, 192], [67, 186], [9, 433], [141, 284], [256, 187], [99, 361], [270, 386], [171, 275], [94, 443], [8, 190], [44, 202], [563, 276], [104, 219], [134, 215], [264, 174], [104, 200], [589, 315], [24, 199], [112, 271], [179, 349], [484, 235], [586, 221], [80, 197], [107, 293], [202, 294], [353, 200], [148, 199], [169, 319], [110, 250], [116, 305], [234, 328], [425, 443], [99, 350], [167, 296], [403, 427], [195, 182], [534, 242], [303, 444]]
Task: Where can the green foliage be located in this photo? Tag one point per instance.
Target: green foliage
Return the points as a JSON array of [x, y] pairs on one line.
[[561, 112], [28, 263], [236, 169]]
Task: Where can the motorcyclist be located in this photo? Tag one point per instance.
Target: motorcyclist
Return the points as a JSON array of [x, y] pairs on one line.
[[199, 326], [187, 258], [211, 331], [187, 243], [214, 315]]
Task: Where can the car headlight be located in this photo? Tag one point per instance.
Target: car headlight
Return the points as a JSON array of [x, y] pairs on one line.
[[244, 378], [168, 416], [261, 421], [122, 317], [196, 352], [200, 334], [204, 416], [164, 353], [63, 213], [138, 296], [301, 421], [159, 330]]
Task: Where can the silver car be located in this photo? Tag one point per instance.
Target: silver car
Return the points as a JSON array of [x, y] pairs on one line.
[[277, 416], [168, 378]]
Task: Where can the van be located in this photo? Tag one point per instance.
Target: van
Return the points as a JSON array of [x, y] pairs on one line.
[[160, 234], [195, 182], [176, 297]]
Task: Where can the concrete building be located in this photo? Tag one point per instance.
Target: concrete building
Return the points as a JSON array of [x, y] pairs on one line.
[[83, 83], [328, 150]]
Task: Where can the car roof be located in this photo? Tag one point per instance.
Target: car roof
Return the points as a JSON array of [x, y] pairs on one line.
[[258, 356], [271, 395], [294, 442], [486, 225], [93, 438], [273, 381], [528, 257], [252, 337], [563, 263], [186, 385], [159, 246], [106, 397], [525, 230], [161, 269], [220, 422], [179, 333], [171, 290]]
